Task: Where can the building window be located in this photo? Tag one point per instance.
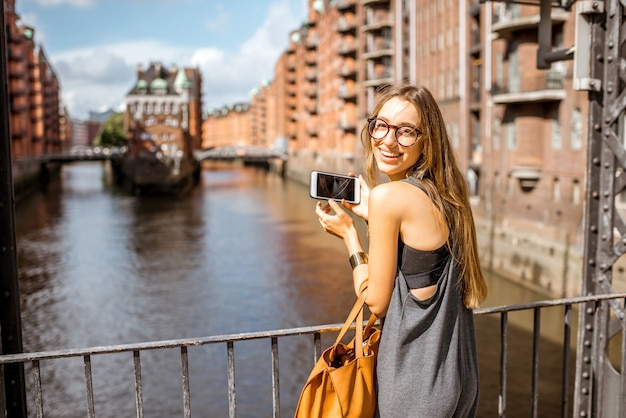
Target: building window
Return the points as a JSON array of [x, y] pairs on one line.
[[496, 132], [499, 71], [472, 182], [556, 190], [576, 130], [455, 134], [510, 185], [511, 135], [441, 85], [576, 194], [514, 70], [476, 143], [557, 140], [497, 180]]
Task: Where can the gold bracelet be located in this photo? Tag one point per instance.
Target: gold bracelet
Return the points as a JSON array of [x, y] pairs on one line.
[[358, 258]]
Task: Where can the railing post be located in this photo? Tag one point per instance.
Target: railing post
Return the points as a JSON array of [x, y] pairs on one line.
[[12, 379]]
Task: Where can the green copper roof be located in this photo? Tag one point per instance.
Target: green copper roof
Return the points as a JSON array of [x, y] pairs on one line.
[[158, 84], [181, 79]]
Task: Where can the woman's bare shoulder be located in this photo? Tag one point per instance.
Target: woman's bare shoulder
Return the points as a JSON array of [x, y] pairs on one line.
[[401, 196]]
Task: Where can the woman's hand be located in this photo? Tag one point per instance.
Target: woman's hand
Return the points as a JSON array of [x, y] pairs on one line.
[[361, 209], [334, 219]]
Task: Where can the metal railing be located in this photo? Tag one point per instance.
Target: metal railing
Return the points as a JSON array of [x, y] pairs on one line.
[[34, 359]]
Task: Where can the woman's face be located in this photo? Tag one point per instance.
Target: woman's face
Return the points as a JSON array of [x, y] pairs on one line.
[[393, 159]]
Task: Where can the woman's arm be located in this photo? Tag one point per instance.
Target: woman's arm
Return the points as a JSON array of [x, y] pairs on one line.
[[384, 226]]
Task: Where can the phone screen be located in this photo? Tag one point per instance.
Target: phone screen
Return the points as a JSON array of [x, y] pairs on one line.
[[336, 187]]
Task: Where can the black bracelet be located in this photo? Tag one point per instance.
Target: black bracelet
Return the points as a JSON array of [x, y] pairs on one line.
[[358, 258]]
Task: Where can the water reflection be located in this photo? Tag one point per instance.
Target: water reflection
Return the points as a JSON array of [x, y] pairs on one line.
[[243, 252]]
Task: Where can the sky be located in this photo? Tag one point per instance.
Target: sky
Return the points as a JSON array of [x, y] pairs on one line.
[[95, 46]]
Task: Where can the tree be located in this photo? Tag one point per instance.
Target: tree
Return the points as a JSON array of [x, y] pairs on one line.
[[111, 133]]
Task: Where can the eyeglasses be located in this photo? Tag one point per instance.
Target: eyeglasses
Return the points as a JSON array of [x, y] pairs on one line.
[[405, 135]]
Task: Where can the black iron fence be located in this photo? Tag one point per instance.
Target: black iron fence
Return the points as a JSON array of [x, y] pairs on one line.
[[135, 352]]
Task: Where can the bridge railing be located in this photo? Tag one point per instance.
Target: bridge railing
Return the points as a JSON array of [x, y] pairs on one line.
[[250, 153], [183, 345]]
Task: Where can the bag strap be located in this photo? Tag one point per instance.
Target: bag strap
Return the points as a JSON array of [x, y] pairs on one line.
[[356, 314]]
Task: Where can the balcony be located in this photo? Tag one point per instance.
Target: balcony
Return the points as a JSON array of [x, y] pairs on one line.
[[375, 79], [544, 87], [347, 71], [347, 48], [343, 5], [347, 94], [347, 125], [382, 48], [311, 131], [346, 25], [16, 52], [528, 177], [312, 41], [311, 75], [311, 92], [378, 24], [505, 24], [374, 2], [311, 108], [311, 59]]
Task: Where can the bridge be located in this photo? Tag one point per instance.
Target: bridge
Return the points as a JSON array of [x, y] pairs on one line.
[[84, 153], [247, 154], [250, 154]]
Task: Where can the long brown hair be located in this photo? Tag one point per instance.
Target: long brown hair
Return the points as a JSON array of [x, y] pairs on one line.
[[438, 171]]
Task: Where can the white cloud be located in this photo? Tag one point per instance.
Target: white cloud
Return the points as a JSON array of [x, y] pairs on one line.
[[228, 78], [76, 3], [100, 77]]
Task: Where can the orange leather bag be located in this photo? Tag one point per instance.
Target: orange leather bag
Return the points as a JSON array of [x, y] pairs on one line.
[[342, 382]]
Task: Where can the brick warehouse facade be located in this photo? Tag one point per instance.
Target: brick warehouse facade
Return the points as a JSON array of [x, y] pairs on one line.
[[520, 133], [38, 124]]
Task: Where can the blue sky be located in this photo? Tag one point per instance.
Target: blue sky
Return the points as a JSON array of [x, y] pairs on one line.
[[96, 45]]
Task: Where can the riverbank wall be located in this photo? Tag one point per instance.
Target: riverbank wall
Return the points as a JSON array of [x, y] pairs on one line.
[[26, 176]]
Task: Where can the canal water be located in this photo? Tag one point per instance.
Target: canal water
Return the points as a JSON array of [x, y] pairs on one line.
[[243, 252]]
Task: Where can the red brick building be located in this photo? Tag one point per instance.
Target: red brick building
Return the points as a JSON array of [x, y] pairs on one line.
[[519, 132], [167, 104], [34, 89]]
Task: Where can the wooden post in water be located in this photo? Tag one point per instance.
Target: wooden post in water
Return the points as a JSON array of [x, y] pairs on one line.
[[12, 383]]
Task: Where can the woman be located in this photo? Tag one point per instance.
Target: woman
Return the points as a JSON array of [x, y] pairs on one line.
[[422, 269]]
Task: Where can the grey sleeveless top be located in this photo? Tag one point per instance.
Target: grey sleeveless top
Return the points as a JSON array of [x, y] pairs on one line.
[[427, 365]]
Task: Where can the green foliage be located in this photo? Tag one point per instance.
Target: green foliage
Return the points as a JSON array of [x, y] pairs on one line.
[[111, 133]]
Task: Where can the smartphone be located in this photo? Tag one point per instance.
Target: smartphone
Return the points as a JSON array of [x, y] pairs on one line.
[[335, 186]]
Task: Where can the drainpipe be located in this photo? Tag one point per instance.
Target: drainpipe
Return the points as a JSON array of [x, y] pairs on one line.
[[12, 383]]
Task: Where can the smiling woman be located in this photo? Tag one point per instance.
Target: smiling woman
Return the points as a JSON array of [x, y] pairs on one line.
[[235, 44]]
